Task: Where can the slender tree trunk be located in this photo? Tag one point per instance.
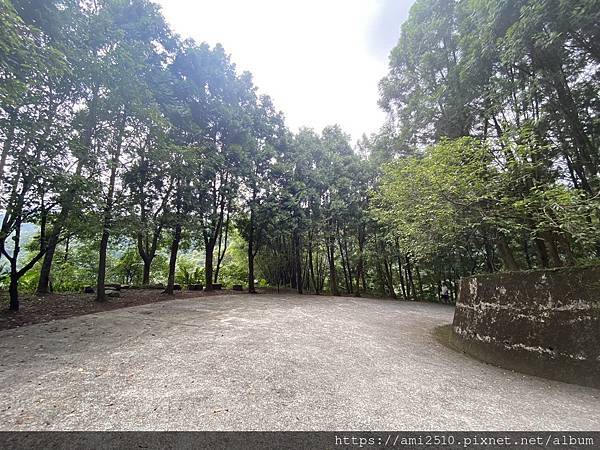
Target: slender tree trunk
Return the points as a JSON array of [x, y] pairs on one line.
[[306, 274], [409, 274], [298, 261], [13, 289], [106, 224], [540, 246], [173, 259], [542, 253], [67, 201], [66, 257], [360, 268], [10, 134], [363, 278], [400, 273], [566, 245], [357, 279], [525, 244], [43, 222], [333, 289], [208, 266], [344, 266], [389, 277], [507, 255], [311, 266], [145, 255], [210, 240], [380, 277], [100, 294], [320, 272], [552, 249], [222, 249], [419, 283], [551, 64], [489, 256], [251, 288]]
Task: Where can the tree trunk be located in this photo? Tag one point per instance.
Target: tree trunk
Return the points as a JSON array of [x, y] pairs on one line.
[[14, 287], [409, 276], [298, 261], [147, 252], [251, 288], [489, 256], [389, 278], [67, 201], [380, 277], [552, 249], [66, 257], [311, 266], [527, 253], [208, 265], [507, 255], [419, 283], [210, 235], [570, 257], [332, 273], [552, 65], [222, 249], [146, 272], [400, 273], [360, 267], [44, 280], [10, 133], [542, 254], [100, 294], [344, 268], [173, 259]]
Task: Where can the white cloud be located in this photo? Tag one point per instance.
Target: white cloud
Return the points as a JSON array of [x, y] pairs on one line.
[[315, 57]]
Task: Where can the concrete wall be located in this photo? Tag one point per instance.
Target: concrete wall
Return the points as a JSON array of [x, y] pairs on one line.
[[544, 323]]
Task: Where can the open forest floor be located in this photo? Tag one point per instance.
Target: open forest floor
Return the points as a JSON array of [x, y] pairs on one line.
[[269, 362], [47, 308]]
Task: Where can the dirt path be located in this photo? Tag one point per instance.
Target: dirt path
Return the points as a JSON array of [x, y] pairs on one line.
[[268, 362]]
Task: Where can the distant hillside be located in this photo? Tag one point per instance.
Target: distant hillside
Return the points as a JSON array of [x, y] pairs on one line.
[[28, 232]]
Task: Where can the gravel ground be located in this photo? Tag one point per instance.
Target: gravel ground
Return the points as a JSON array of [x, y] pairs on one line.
[[268, 362]]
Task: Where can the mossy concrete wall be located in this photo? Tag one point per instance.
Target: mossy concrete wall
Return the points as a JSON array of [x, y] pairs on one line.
[[544, 323]]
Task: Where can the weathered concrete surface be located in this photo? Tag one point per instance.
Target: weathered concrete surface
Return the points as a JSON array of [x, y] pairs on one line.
[[542, 322], [268, 362]]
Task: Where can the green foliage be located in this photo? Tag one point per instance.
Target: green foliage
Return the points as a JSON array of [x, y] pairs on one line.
[[132, 148], [495, 130], [188, 269]]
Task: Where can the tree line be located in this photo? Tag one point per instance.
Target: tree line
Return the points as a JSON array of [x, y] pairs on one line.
[[123, 142], [494, 135]]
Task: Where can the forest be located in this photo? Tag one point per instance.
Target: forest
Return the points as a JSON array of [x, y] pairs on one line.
[[131, 155]]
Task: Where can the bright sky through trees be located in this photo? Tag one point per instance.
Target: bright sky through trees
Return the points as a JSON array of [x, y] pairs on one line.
[[320, 60]]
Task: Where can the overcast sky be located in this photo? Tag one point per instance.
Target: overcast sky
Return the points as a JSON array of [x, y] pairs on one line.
[[320, 60]]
